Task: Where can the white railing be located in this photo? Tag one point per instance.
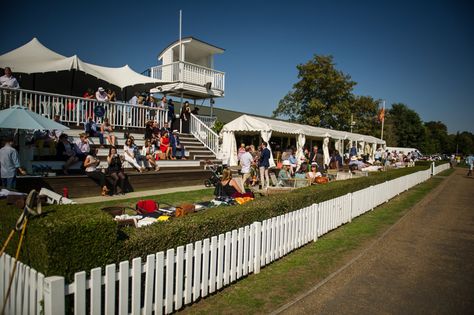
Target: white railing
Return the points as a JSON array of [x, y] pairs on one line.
[[76, 110], [27, 291], [167, 281], [207, 120], [181, 71], [204, 134]]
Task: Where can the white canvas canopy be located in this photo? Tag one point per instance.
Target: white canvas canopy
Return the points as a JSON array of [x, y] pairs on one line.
[[266, 127], [34, 57]]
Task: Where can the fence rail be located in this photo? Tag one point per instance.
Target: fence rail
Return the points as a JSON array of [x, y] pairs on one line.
[[167, 281], [76, 110], [204, 134]]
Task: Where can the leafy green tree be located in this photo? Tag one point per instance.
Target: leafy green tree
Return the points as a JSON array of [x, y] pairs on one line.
[[437, 139], [408, 128], [463, 143], [322, 96], [365, 109]]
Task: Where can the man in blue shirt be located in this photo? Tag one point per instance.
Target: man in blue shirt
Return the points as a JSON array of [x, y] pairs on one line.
[[9, 164]]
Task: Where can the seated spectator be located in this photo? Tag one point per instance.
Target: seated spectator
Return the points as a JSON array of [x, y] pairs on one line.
[[90, 164], [92, 130], [313, 173], [82, 147], [355, 164], [107, 130], [130, 153], [165, 144], [55, 133], [149, 154], [101, 95], [336, 161], [195, 111], [66, 153], [166, 128], [284, 176], [115, 170], [230, 187], [176, 145], [301, 173]]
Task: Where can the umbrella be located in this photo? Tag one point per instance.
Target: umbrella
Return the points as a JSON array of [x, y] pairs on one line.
[[19, 117]]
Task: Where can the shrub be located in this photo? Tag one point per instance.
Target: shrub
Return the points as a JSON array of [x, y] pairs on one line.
[[68, 239]]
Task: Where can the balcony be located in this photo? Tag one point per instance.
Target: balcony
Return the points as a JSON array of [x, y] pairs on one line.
[[185, 72]]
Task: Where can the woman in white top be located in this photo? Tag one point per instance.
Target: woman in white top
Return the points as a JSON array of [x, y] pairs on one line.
[[107, 130], [313, 173], [129, 150], [90, 163], [149, 154]]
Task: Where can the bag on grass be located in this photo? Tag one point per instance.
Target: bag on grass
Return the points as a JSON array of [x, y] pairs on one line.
[[146, 206]]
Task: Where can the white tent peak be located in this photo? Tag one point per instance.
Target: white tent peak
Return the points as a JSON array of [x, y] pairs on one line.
[[34, 57]]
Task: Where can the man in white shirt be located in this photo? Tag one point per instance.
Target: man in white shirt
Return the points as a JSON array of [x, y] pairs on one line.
[[101, 95], [246, 161], [8, 80], [8, 97]]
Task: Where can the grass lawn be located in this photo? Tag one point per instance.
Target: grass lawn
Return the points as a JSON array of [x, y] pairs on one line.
[[294, 274]]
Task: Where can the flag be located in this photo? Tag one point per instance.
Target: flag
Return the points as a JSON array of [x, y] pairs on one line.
[[382, 115]]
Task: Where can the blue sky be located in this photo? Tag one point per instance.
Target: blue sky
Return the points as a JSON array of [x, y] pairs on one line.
[[416, 52]]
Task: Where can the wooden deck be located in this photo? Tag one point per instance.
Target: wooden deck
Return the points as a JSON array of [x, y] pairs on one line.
[[80, 186]]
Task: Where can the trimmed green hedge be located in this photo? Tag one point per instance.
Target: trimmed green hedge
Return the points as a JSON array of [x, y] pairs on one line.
[[68, 239]]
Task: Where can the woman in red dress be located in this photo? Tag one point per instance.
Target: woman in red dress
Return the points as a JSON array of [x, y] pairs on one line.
[[165, 145]]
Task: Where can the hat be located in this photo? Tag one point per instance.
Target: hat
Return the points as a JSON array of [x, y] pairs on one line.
[[101, 89], [175, 131], [286, 163], [353, 158], [314, 164]]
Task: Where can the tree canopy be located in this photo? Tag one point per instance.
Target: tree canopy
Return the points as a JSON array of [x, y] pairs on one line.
[[323, 97]]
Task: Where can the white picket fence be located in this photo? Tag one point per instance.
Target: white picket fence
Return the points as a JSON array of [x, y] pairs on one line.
[[167, 281]]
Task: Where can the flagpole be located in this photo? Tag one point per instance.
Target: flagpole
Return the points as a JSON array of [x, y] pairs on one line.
[[383, 119]]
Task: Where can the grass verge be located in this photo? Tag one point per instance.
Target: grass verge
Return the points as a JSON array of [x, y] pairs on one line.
[[294, 274]]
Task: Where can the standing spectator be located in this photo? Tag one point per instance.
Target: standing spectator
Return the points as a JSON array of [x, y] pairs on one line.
[[111, 95], [9, 164], [107, 130], [101, 95], [470, 164], [8, 81], [171, 114], [91, 130], [162, 103], [115, 170], [66, 153], [185, 116], [241, 151], [264, 164], [353, 150], [246, 161], [176, 145], [317, 157]]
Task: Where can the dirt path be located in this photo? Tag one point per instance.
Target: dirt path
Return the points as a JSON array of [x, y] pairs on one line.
[[423, 265]]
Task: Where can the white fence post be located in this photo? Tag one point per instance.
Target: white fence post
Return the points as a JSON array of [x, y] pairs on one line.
[[256, 254], [54, 296]]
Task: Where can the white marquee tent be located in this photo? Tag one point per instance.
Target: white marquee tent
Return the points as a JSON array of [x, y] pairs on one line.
[[34, 57], [266, 127]]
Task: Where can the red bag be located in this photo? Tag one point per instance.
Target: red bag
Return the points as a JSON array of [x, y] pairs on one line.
[[146, 206]]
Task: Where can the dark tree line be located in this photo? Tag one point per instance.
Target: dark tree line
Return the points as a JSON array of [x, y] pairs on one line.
[[323, 97]]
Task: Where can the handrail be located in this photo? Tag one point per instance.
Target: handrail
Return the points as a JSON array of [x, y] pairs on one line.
[[204, 134], [74, 109], [187, 72]]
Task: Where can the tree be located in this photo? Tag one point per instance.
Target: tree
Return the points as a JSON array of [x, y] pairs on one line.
[[463, 142], [322, 96], [407, 126], [364, 109], [437, 139]]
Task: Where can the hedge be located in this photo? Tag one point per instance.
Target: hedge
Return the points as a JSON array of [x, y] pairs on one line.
[[68, 239]]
